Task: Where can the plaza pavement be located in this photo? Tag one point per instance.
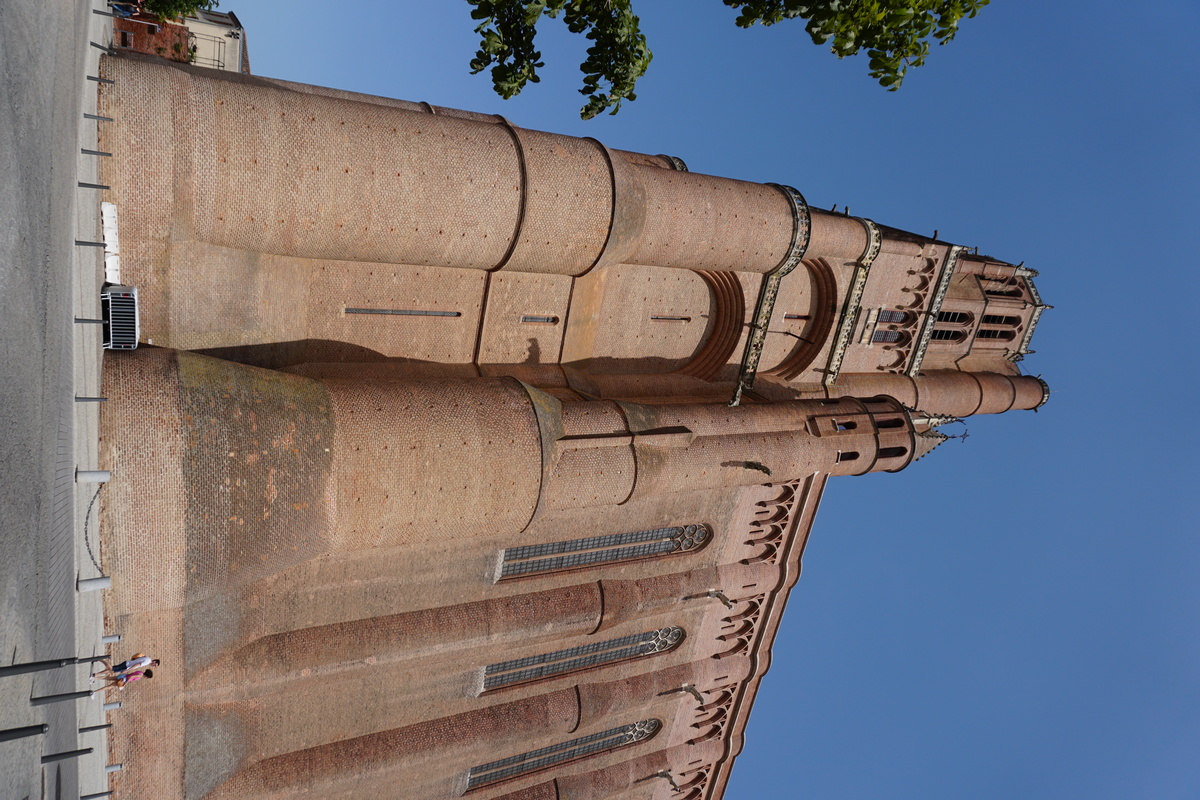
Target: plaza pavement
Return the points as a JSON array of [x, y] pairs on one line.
[[46, 281]]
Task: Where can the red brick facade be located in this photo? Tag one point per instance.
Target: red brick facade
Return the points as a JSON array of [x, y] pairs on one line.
[[151, 36], [432, 464]]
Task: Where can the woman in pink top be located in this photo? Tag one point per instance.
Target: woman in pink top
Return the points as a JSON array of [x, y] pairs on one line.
[[128, 677], [139, 661]]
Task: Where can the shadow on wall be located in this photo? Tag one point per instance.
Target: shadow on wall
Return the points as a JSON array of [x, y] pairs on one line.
[[329, 358], [278, 355]]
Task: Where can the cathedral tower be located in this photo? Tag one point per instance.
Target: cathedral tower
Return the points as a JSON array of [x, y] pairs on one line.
[[479, 461]]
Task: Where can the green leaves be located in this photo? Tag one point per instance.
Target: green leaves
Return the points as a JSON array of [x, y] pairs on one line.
[[895, 34], [616, 60], [174, 9]]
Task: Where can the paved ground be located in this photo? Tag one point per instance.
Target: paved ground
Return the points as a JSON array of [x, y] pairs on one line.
[[46, 360]]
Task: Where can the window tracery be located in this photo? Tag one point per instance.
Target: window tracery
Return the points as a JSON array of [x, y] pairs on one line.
[[574, 749], [594, 550], [572, 659]]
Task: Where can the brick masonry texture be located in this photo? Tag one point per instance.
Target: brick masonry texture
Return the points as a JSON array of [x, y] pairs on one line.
[[315, 501]]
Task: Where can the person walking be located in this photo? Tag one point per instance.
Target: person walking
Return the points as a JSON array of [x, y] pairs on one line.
[[126, 678], [138, 662]]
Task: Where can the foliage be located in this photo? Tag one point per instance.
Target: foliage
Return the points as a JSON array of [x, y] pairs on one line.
[[616, 59], [894, 33], [174, 9]]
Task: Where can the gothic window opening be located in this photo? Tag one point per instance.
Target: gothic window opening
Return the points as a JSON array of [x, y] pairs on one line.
[[894, 422], [893, 316], [849, 455], [571, 750], [886, 336], [618, 547], [997, 319], [847, 425], [548, 665], [954, 317], [892, 452], [991, 333], [944, 335], [1005, 288]]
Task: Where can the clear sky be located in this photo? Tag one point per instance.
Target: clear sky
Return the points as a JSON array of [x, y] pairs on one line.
[[1017, 615]]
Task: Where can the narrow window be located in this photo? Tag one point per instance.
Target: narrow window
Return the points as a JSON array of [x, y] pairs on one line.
[[559, 556], [670, 318], [848, 456], [543, 320], [1003, 292], [892, 452], [954, 317], [996, 319], [523, 670], [404, 312], [845, 426], [893, 316], [886, 336], [991, 333], [571, 750], [894, 422], [124, 39], [943, 335]]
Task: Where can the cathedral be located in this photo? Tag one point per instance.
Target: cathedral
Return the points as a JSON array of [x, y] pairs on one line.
[[458, 459]]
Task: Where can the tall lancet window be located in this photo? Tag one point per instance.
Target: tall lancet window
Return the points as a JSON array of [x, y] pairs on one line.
[[535, 559], [548, 665], [571, 750]]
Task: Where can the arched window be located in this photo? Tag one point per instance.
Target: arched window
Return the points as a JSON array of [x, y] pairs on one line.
[[894, 422], [997, 319], [561, 753], [532, 668], [846, 425], [894, 317], [849, 455], [892, 452], [886, 336], [991, 333], [954, 317], [560, 556], [944, 335]]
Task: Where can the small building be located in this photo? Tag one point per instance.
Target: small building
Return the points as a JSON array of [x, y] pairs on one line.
[[213, 39], [219, 41]]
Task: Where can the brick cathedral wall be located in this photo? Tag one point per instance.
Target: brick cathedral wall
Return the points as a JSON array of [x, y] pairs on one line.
[[263, 167]]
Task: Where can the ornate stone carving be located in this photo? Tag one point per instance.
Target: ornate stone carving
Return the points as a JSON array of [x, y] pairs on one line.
[[741, 626], [676, 162], [853, 301], [771, 521], [691, 537], [801, 233], [935, 305]]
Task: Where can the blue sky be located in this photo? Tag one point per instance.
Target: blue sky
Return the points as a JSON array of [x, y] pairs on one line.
[[1016, 615]]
